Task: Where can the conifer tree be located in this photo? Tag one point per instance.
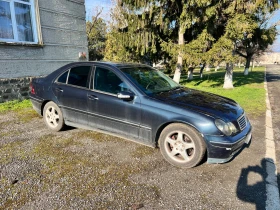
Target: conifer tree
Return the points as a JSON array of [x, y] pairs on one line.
[[191, 31]]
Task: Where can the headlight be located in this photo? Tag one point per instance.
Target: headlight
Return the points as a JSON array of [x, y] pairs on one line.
[[225, 128]]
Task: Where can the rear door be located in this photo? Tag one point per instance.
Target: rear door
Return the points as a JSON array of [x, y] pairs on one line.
[[106, 110], [71, 89]]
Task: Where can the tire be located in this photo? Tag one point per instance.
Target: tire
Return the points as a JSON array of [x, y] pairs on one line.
[[53, 117], [181, 145]]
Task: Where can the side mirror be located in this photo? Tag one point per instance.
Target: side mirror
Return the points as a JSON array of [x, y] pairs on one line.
[[126, 96]]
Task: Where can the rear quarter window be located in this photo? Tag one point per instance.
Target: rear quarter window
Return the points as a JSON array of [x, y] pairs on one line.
[[63, 77]]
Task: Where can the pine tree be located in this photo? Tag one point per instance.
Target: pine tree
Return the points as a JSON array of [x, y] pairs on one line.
[[189, 32]]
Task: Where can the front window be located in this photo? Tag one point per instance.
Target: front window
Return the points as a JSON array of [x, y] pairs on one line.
[[150, 80], [107, 81], [17, 21]]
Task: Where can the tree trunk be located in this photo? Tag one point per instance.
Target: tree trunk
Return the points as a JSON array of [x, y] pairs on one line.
[[190, 73], [217, 67], [239, 63], [228, 76], [207, 67], [201, 70], [179, 65], [247, 66]]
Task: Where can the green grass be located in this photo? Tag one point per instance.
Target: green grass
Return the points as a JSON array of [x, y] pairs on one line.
[[14, 105], [248, 90], [23, 110]]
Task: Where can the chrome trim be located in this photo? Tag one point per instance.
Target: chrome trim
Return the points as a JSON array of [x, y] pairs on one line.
[[145, 127], [83, 88], [245, 120], [73, 109], [35, 99], [105, 93], [225, 143]]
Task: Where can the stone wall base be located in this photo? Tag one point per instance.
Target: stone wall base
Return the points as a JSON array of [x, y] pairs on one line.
[[14, 89]]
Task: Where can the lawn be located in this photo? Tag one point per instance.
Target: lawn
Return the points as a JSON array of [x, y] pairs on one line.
[[15, 105], [248, 90]]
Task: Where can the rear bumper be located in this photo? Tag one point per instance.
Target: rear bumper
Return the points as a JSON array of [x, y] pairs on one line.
[[221, 151], [37, 104]]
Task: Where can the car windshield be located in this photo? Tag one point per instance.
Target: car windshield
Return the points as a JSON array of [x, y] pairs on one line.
[[150, 80]]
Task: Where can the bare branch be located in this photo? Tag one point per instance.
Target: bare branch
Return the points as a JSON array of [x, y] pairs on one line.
[[94, 19]]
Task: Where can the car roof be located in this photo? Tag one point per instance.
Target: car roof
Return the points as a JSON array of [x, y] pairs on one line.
[[54, 74], [109, 63]]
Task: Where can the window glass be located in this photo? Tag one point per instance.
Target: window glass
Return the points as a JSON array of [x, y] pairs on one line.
[[78, 76], [150, 80], [24, 25], [107, 81], [63, 77], [18, 21], [6, 29]]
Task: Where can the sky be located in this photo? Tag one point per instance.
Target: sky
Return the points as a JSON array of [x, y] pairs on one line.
[[93, 5], [106, 5], [274, 19]]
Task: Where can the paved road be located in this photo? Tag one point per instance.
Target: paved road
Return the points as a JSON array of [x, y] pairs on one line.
[[273, 84]]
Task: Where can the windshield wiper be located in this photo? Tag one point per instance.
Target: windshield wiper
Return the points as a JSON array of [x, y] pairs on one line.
[[169, 90]]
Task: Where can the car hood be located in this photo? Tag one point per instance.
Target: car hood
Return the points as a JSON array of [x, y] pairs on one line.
[[207, 103]]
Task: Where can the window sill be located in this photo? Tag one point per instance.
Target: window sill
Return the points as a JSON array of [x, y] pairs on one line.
[[22, 44]]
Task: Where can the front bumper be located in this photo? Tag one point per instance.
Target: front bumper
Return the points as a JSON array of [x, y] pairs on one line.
[[221, 149]]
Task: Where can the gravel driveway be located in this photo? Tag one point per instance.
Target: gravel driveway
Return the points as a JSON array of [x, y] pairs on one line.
[[79, 169]]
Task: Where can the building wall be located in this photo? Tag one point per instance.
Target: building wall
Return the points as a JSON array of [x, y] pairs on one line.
[[63, 31], [11, 89]]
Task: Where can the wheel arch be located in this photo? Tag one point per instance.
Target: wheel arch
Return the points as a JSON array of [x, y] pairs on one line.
[[161, 127], [43, 106]]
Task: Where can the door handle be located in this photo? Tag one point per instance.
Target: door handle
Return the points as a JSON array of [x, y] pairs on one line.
[[59, 89], [92, 97]]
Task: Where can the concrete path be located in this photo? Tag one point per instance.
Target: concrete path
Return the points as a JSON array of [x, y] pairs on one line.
[[273, 135]]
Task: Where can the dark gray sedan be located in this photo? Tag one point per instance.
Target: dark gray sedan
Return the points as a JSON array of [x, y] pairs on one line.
[[142, 104]]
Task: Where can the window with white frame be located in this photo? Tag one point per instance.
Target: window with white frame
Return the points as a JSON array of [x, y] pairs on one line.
[[18, 21]]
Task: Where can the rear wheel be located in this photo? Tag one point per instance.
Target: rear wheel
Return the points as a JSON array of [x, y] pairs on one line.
[[53, 116], [182, 145]]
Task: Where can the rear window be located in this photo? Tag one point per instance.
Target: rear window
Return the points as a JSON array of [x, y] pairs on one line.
[[78, 76]]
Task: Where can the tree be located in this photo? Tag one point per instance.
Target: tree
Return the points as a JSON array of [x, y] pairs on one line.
[[176, 28], [96, 34], [258, 39], [191, 30]]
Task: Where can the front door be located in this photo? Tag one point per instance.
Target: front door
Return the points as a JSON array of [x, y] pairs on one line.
[[107, 111]]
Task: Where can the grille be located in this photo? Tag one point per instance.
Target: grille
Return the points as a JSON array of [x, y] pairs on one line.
[[242, 122]]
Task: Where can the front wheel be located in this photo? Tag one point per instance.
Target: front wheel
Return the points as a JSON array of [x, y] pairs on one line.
[[53, 116], [182, 145]]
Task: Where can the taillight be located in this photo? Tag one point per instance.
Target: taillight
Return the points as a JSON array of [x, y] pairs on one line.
[[32, 89]]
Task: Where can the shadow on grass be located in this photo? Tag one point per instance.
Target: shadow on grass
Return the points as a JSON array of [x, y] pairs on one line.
[[217, 78]]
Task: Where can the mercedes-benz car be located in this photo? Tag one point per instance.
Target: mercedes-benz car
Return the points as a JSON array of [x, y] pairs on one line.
[[142, 104]]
